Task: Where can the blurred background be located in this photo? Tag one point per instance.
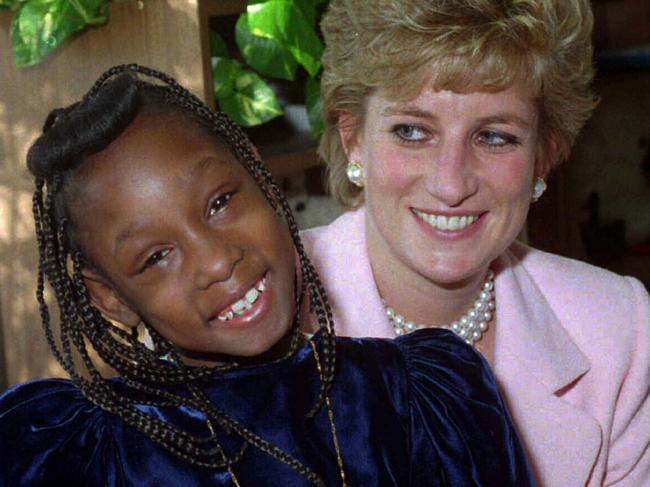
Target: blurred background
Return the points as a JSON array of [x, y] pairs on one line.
[[261, 63]]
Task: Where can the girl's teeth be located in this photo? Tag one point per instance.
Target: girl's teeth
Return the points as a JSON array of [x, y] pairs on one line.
[[239, 307], [252, 295], [244, 304], [226, 316], [442, 222]]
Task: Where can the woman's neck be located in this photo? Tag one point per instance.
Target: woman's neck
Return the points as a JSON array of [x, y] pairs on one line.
[[418, 298]]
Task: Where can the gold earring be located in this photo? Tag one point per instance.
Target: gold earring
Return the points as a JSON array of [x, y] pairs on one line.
[[538, 189], [354, 171]]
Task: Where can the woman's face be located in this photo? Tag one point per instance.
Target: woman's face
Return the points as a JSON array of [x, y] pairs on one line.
[[185, 241], [448, 178]]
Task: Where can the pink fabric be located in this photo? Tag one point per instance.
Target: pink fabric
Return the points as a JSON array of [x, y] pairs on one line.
[[572, 352]]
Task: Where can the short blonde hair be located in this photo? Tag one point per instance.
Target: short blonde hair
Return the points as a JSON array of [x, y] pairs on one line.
[[460, 45]]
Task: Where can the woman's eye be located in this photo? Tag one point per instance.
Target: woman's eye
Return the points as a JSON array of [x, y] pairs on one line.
[[155, 258], [219, 203], [410, 133], [497, 140]]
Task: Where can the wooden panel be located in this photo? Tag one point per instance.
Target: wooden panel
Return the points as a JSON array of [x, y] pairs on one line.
[[284, 164], [165, 35], [223, 7]]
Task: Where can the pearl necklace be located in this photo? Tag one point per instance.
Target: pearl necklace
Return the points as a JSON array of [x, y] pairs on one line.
[[470, 327]]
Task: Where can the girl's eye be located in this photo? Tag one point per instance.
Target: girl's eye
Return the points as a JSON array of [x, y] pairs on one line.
[[155, 258], [218, 204], [410, 133], [497, 140]]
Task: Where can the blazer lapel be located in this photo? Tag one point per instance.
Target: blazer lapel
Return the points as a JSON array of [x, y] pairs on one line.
[[535, 362], [356, 305]]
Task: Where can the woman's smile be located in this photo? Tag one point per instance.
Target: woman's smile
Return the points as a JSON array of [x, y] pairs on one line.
[[444, 194], [449, 223]]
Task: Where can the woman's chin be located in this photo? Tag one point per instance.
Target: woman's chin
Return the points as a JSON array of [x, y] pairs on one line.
[[455, 274]]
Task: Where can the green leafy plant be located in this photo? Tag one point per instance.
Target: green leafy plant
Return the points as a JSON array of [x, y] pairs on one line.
[[275, 39], [39, 26]]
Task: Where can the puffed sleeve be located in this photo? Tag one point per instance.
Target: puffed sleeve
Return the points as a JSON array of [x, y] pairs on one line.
[[456, 412], [628, 464], [50, 434]]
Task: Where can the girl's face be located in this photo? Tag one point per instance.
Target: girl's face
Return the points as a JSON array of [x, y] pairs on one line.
[[448, 179], [185, 241]]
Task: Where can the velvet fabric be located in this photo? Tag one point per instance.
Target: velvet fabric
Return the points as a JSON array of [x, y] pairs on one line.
[[422, 410]]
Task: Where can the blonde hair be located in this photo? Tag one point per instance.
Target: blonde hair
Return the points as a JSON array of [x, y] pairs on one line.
[[543, 46]]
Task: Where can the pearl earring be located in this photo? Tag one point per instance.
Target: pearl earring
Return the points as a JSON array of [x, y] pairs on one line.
[[538, 189], [355, 174]]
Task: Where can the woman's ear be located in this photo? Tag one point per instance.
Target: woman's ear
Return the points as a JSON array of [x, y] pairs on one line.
[[349, 133], [106, 299], [547, 158]]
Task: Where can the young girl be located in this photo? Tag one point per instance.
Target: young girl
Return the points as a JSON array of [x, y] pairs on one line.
[[172, 256]]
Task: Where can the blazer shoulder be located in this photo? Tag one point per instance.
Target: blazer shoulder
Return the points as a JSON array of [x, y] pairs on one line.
[[348, 227], [586, 296], [554, 272]]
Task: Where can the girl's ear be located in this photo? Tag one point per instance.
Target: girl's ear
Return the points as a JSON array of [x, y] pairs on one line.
[[106, 299]]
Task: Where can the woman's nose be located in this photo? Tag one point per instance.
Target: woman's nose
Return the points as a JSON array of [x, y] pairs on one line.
[[451, 176], [215, 260]]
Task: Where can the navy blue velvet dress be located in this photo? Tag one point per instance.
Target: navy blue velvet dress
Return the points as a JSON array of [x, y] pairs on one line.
[[421, 410]]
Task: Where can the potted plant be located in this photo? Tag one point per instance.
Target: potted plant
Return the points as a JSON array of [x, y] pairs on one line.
[[276, 40]]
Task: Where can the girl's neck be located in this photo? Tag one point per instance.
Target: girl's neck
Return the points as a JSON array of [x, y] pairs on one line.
[[277, 351]]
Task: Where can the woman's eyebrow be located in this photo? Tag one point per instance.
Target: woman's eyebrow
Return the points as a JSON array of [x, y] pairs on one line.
[[506, 118], [498, 118], [411, 111]]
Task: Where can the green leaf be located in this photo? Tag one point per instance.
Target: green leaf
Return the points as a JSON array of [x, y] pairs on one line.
[[308, 9], [11, 4], [218, 47], [264, 54], [286, 23], [39, 26], [314, 106], [242, 94]]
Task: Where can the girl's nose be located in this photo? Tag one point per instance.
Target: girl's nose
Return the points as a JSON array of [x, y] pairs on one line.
[[215, 261], [451, 176]]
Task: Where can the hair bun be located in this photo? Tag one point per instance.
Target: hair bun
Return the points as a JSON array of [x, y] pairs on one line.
[[83, 128]]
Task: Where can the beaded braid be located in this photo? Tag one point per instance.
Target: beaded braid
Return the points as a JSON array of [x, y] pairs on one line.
[[81, 325]]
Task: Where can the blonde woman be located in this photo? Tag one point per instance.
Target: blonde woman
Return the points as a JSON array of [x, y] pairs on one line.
[[443, 120]]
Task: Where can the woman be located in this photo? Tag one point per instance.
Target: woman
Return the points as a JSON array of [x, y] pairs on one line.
[[443, 119]]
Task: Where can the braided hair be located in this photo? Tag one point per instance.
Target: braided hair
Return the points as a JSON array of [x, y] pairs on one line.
[[69, 136]]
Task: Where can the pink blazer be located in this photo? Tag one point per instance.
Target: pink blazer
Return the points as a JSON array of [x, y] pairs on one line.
[[572, 352]]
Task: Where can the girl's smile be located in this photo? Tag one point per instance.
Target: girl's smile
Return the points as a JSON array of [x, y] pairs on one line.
[[250, 307], [184, 240]]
